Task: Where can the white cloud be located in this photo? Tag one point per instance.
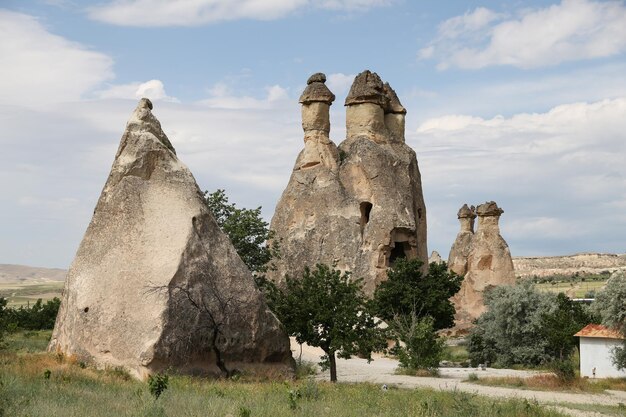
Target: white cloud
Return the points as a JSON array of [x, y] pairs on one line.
[[198, 12], [38, 68], [152, 89], [339, 83], [569, 31], [559, 175], [223, 98]]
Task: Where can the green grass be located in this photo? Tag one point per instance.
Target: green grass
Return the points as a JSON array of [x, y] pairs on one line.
[[455, 353], [579, 288], [607, 410], [72, 390], [22, 294]]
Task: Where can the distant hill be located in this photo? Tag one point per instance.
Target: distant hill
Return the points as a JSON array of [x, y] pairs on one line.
[[587, 263], [29, 274]]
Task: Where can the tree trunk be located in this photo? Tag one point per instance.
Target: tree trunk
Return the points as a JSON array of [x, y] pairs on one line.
[[218, 355], [333, 367]]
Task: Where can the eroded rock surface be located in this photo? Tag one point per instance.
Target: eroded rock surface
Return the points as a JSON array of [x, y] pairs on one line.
[[152, 251], [483, 257], [360, 205]]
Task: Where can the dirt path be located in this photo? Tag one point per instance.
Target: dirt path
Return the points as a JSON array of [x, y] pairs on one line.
[[381, 371]]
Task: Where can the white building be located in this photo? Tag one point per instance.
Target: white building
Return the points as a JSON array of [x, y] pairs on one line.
[[596, 346]]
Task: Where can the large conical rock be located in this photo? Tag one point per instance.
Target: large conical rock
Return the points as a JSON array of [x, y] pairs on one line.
[[360, 206], [155, 283], [483, 258]]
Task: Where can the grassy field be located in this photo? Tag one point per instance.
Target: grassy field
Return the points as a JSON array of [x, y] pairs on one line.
[[22, 294], [577, 289], [36, 384]]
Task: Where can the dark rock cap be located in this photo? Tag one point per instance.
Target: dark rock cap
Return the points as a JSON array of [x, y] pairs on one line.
[[366, 88], [316, 90], [392, 102], [490, 208], [466, 212]]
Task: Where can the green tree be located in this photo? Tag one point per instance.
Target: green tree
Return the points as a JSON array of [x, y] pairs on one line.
[[3, 319], [407, 290], [246, 229], [39, 316], [526, 327], [421, 348], [326, 308], [559, 326], [610, 308]]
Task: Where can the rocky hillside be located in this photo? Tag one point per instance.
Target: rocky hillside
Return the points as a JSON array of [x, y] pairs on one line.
[[30, 274], [593, 263]]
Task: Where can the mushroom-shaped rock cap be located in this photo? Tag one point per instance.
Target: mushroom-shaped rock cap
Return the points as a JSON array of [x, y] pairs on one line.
[[366, 88], [316, 90], [392, 102], [490, 208], [466, 212]]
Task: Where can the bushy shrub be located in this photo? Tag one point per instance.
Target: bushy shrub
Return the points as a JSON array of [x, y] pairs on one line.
[[421, 348], [39, 316], [157, 384], [610, 306], [526, 327]]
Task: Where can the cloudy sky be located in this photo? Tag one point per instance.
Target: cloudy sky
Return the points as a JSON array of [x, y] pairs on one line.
[[522, 102]]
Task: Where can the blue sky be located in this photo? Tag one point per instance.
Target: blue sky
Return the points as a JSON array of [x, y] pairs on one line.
[[519, 102]]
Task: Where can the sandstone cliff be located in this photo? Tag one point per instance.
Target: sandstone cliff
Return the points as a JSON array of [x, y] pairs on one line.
[[155, 284], [587, 263], [360, 205]]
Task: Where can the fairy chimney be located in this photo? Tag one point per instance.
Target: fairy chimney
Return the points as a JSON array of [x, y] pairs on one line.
[[488, 263], [156, 284], [366, 213]]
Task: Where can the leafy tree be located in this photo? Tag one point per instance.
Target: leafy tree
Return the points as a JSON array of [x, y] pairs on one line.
[[559, 327], [39, 316], [3, 321], [246, 229], [327, 309], [421, 347], [407, 291], [524, 326], [610, 307]]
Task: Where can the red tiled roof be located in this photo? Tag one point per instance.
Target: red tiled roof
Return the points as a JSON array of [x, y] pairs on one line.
[[598, 330]]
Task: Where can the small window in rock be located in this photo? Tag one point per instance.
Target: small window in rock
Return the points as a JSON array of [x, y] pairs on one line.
[[419, 213], [86, 309], [366, 208]]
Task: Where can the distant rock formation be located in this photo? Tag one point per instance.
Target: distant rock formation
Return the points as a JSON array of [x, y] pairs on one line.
[[483, 257], [358, 206], [155, 283], [435, 258]]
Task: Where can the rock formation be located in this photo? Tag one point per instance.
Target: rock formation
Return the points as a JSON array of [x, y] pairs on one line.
[[482, 257], [359, 206], [155, 283], [435, 258]]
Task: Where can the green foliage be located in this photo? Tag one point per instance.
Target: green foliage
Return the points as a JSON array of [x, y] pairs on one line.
[[39, 316], [564, 370], [244, 411], [408, 290], [523, 326], [472, 377], [246, 229], [157, 384], [3, 321], [326, 308], [560, 325], [421, 348], [610, 307]]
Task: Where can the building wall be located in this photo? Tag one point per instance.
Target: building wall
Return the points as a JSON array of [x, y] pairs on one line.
[[595, 352]]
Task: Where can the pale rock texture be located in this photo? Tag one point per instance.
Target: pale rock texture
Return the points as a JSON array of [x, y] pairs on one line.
[[435, 258], [483, 257], [151, 248], [363, 208]]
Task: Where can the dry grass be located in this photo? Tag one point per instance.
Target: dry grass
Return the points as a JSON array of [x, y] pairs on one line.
[[545, 382]]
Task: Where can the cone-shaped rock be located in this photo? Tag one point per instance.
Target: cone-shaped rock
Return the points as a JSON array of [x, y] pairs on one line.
[[361, 207], [483, 257], [155, 283]]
